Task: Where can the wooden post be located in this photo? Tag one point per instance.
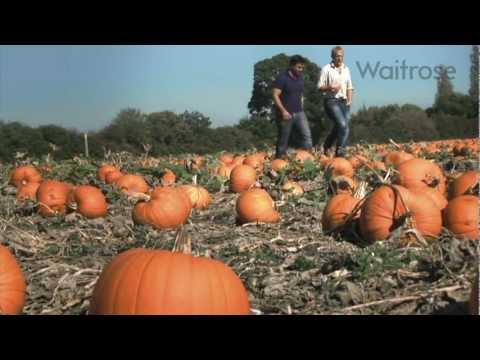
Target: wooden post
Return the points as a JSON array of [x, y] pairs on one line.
[[86, 144]]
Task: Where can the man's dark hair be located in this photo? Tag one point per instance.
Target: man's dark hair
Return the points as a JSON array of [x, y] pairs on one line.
[[297, 59]]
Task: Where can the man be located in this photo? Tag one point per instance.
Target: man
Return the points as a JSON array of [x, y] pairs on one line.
[[336, 83], [287, 95]]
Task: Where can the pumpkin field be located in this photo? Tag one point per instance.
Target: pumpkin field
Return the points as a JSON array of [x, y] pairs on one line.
[[390, 229]]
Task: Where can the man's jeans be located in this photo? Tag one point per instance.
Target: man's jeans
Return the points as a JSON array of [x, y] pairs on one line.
[[299, 120], [338, 111]]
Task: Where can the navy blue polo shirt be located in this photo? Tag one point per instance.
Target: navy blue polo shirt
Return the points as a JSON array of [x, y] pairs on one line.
[[292, 91]]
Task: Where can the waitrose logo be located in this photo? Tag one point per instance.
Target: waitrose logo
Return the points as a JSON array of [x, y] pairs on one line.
[[403, 71]]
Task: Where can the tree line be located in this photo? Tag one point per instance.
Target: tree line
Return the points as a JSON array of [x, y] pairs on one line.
[[453, 115]]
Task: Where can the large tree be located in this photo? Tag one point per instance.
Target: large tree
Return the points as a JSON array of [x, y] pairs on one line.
[[261, 103], [444, 87], [127, 131], [474, 57]]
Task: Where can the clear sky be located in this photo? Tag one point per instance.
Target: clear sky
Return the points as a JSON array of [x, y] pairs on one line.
[[84, 87]]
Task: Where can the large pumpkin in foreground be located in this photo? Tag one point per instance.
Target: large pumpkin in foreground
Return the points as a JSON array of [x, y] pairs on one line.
[[12, 284], [159, 282]]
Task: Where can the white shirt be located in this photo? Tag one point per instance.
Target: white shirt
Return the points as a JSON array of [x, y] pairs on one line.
[[330, 75]]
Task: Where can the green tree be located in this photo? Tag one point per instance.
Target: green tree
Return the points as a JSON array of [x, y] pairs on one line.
[[64, 144], [474, 75], [444, 88], [16, 137], [410, 122], [127, 131], [168, 133], [263, 130]]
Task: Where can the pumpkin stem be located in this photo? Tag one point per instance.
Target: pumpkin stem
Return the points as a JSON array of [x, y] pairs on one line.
[[183, 242], [473, 189], [341, 183], [387, 176], [48, 207], [361, 190], [194, 179], [413, 236], [395, 144], [72, 206], [138, 196], [431, 181]]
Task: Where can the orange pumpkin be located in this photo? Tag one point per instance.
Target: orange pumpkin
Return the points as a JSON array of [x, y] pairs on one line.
[[53, 197], [12, 284], [434, 195], [28, 191], [255, 161], [340, 166], [324, 161], [168, 178], [166, 210], [159, 282], [104, 170], [225, 170], [421, 173], [338, 208], [23, 175], [198, 195], [461, 216], [90, 201], [293, 188], [113, 176], [279, 164], [358, 160], [256, 205], [242, 178], [226, 158], [238, 160], [132, 184], [464, 184], [384, 211], [303, 155]]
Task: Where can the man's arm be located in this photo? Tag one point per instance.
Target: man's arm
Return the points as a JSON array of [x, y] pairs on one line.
[[276, 99], [349, 96], [349, 90]]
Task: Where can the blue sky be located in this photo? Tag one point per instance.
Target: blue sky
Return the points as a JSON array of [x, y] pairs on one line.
[[84, 87]]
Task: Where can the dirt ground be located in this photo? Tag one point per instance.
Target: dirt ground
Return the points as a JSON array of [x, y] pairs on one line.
[[290, 267]]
